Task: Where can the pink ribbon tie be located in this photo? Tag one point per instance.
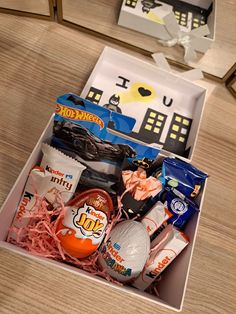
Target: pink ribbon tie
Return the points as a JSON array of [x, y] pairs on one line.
[[140, 187]]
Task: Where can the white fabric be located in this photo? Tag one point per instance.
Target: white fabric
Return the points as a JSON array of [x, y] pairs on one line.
[[186, 40]]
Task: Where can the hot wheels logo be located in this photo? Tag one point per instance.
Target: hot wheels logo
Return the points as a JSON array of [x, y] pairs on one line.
[[77, 114]]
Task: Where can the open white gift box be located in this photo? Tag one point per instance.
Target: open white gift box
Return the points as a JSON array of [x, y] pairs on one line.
[[150, 17], [174, 280]]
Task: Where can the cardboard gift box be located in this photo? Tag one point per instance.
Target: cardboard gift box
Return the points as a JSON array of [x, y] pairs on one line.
[[172, 286], [151, 17]]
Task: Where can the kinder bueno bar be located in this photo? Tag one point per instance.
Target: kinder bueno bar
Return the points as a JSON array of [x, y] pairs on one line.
[[157, 215], [164, 250], [36, 186], [65, 171]]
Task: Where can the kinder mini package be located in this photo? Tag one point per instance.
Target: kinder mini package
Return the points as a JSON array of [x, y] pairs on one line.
[[73, 207]]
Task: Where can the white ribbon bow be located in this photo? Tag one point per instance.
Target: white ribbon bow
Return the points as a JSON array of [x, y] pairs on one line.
[[192, 41]]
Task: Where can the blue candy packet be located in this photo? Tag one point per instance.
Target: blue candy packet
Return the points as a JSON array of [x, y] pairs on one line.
[[182, 176], [180, 207]]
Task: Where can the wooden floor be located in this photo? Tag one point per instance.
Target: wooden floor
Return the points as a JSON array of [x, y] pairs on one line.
[[40, 60], [102, 17], [32, 6]]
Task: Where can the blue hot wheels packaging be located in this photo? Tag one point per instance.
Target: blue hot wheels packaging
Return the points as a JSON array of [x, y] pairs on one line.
[[83, 131]]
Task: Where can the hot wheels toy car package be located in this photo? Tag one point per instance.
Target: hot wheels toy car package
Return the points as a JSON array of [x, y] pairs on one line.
[[81, 130]]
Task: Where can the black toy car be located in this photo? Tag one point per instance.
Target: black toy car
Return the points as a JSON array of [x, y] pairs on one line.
[[88, 146]]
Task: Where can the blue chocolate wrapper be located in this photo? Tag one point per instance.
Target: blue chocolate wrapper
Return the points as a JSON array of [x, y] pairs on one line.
[[180, 207], [183, 176]]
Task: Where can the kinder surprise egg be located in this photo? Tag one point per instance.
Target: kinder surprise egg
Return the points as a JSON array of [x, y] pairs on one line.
[[83, 227], [124, 254]]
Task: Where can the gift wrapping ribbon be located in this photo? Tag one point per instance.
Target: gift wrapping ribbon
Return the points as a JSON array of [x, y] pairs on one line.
[[140, 187], [189, 41]]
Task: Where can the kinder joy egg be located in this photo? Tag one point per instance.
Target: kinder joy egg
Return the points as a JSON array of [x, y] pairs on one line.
[[83, 226], [125, 253]]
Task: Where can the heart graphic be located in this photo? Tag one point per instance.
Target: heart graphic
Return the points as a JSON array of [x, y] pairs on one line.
[[144, 92]]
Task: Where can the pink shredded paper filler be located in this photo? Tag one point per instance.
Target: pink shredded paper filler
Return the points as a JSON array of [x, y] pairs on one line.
[[40, 238]]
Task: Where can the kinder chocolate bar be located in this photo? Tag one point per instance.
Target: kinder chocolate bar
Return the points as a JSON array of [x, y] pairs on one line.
[[164, 249], [82, 229], [157, 216], [37, 183], [65, 172], [183, 176]]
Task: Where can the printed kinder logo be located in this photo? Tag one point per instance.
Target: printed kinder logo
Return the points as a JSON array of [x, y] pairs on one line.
[[58, 178], [178, 206], [90, 221], [77, 114], [53, 171], [160, 265], [24, 205]]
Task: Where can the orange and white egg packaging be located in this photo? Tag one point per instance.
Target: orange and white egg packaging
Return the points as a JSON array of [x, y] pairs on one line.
[[83, 226]]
